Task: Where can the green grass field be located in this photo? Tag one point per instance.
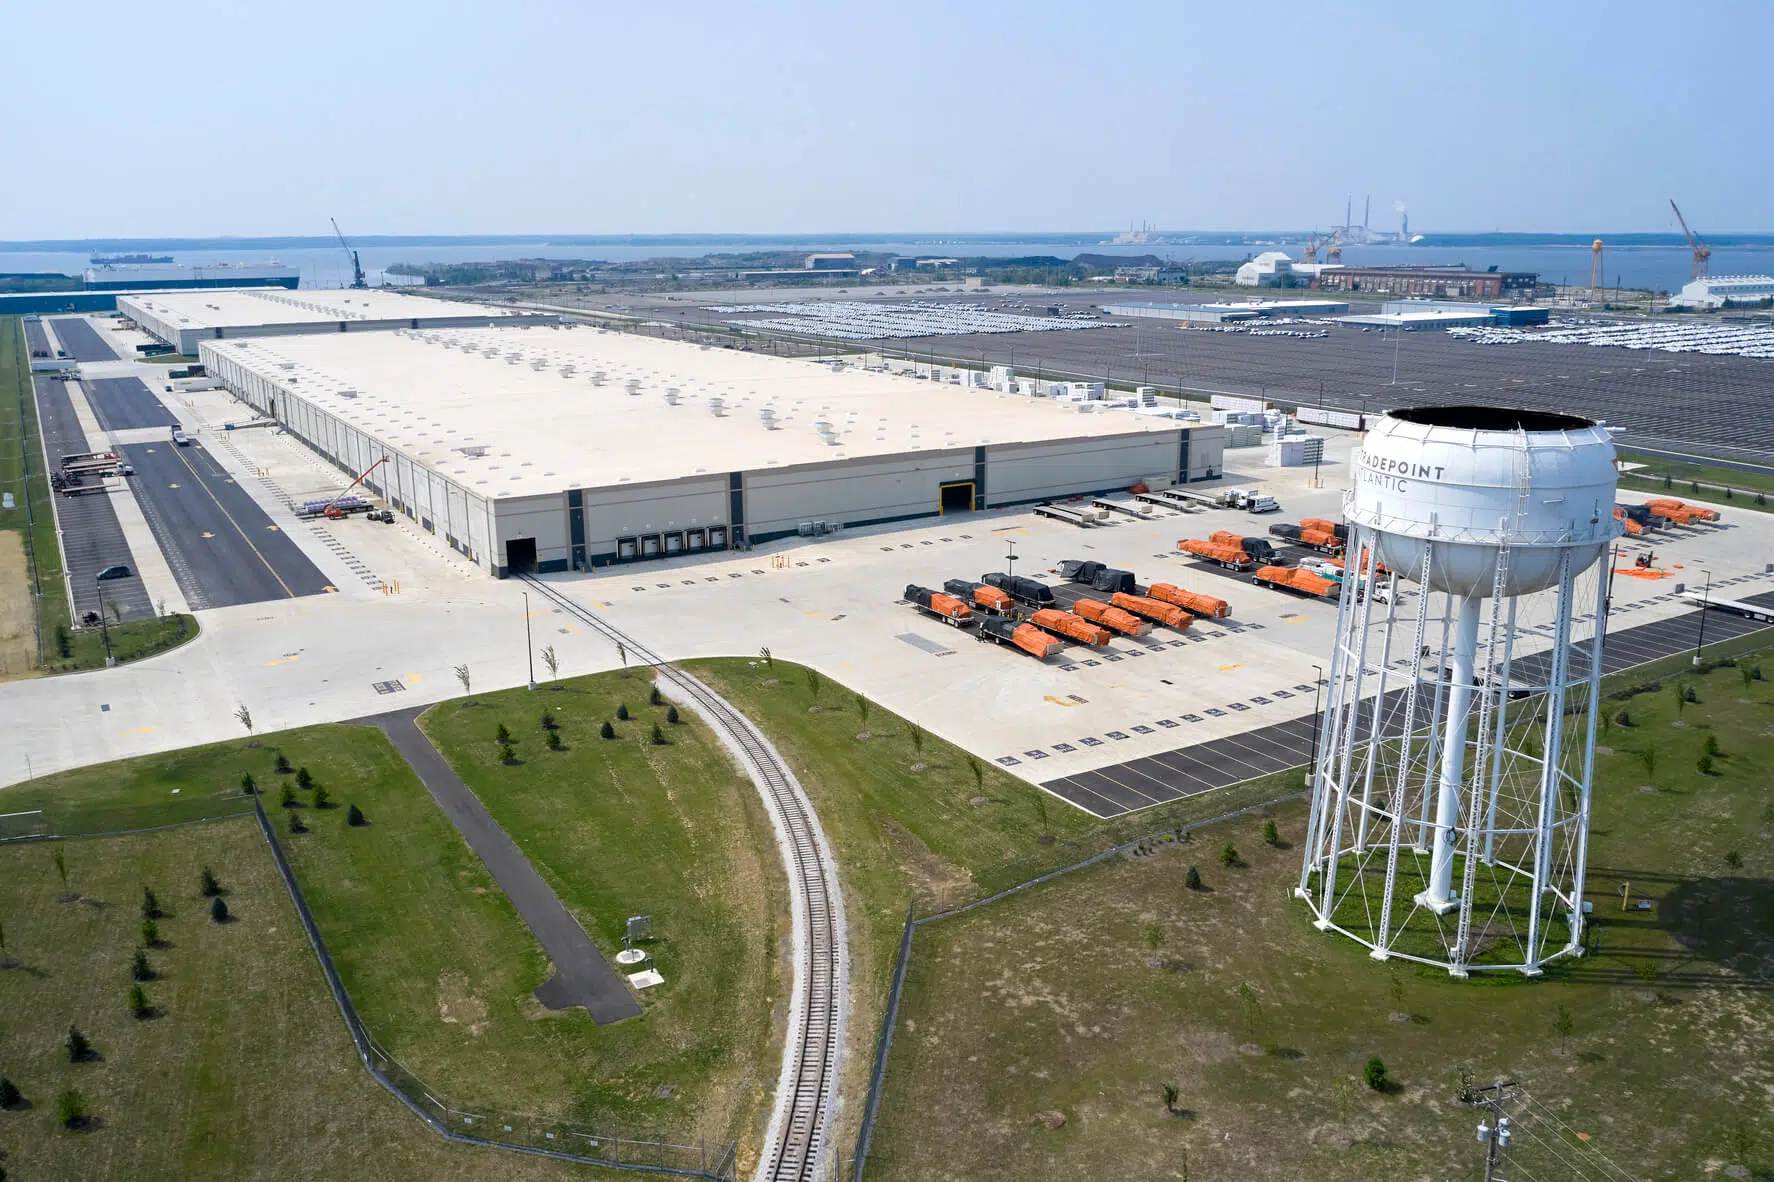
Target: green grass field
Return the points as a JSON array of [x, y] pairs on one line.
[[244, 1071], [1682, 474], [1084, 997], [19, 435]]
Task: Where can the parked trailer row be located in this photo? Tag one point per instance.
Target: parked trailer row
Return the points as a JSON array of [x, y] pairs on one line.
[[946, 608], [1083, 518]]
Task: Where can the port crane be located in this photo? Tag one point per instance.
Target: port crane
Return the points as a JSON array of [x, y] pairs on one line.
[[1702, 252], [357, 279]]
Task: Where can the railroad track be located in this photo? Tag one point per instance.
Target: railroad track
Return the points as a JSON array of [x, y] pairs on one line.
[[800, 1127]]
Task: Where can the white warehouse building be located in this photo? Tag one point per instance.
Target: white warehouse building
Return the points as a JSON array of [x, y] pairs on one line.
[[562, 447], [182, 318], [1724, 291]]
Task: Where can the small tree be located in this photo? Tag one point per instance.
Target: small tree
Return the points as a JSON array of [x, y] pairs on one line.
[[507, 753], [502, 736], [322, 798], [917, 734], [1681, 699], [606, 731], [622, 711], [552, 660], [814, 682], [303, 779], [1624, 719], [282, 764], [150, 905], [658, 739], [1395, 990], [218, 910], [654, 698], [1733, 860], [1374, 1074], [1704, 764], [1170, 1098], [70, 1108], [622, 653], [247, 784], [1563, 1024], [862, 708], [1228, 855], [1688, 694], [769, 661], [10, 1096], [355, 818], [1744, 673], [1271, 835], [150, 932], [462, 676], [1152, 935], [60, 857], [208, 884], [672, 716], [978, 770], [1648, 757], [1193, 879], [548, 722], [245, 717], [136, 1001], [287, 797], [296, 823], [78, 1047], [553, 741]]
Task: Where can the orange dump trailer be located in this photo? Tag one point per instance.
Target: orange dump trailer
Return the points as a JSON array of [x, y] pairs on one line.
[[1027, 637], [1193, 602], [980, 595], [1069, 626], [1167, 614], [1112, 618], [1632, 527], [1301, 582], [1231, 557], [946, 608], [1694, 512]]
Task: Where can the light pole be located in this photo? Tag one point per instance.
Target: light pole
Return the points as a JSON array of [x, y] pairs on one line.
[[529, 649], [122, 572], [1317, 688], [1705, 600], [1010, 557]]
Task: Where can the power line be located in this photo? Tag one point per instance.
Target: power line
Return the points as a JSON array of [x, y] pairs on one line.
[[1548, 1146], [1544, 1112]]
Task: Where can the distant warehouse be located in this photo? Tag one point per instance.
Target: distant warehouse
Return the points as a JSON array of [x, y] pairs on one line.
[[182, 319], [548, 448], [1415, 315], [1457, 283], [167, 276]]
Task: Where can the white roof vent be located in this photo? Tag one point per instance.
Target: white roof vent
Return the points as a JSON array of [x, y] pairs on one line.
[[718, 406]]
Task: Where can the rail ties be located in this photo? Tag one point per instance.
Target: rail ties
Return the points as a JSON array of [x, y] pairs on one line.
[[795, 1150]]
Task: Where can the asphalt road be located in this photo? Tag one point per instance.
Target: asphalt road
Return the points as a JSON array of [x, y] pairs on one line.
[[1201, 767], [36, 340], [80, 341], [123, 404], [92, 539], [222, 548], [582, 977]]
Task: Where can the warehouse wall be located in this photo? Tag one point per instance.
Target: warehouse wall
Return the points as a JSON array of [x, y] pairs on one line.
[[1204, 453], [636, 510], [1022, 472], [851, 492], [542, 518]]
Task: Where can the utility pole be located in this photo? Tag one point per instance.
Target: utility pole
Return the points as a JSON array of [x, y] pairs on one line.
[[1494, 1135], [1705, 602]]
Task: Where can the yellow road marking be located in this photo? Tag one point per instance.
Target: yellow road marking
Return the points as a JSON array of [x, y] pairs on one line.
[[283, 661], [330, 589], [234, 523], [1057, 701], [412, 678], [141, 730], [206, 534], [1229, 668]]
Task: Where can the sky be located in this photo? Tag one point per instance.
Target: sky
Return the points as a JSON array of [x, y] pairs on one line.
[[527, 116]]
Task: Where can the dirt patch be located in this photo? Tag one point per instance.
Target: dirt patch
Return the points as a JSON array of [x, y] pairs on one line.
[[18, 628], [458, 1007], [937, 884]]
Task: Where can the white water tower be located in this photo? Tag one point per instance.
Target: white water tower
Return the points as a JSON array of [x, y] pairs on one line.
[[1450, 799]]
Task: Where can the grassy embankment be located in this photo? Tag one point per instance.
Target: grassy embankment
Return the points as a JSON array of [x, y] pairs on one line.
[[435, 958], [1081, 999], [1690, 481]]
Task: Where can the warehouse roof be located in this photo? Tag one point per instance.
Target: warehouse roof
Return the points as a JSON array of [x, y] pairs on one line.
[[244, 307], [541, 409]]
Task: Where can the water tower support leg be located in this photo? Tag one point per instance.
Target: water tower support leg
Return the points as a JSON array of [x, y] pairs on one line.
[[1438, 897]]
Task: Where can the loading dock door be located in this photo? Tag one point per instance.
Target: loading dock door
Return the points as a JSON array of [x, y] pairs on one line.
[[957, 497], [520, 555]]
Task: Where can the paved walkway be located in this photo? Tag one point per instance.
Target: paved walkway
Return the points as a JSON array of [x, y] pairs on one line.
[[582, 977]]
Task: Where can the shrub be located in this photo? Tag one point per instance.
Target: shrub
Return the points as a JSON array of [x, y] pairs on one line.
[[303, 779], [296, 823], [150, 933], [507, 753], [136, 1001], [1623, 718], [282, 765], [64, 641], [1271, 835], [548, 723], [622, 711], [247, 784], [606, 731], [671, 715], [322, 798], [1733, 860], [658, 739], [1228, 855], [139, 968], [1688, 695], [1704, 764], [287, 798], [1193, 881], [10, 1096], [70, 1108], [502, 736], [355, 818], [654, 698], [78, 1046], [553, 741], [1711, 745], [150, 905], [206, 880], [1374, 1074], [218, 910]]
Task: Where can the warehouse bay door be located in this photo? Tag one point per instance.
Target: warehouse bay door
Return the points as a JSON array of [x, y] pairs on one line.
[[520, 555], [957, 497]]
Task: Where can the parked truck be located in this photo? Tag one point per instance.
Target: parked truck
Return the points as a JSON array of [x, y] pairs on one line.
[[980, 596], [1193, 602], [1026, 637], [946, 608], [1111, 617], [1069, 626], [1253, 502], [1156, 610], [1300, 582], [1029, 592]]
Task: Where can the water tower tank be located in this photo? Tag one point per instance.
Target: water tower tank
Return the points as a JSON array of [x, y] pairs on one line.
[[1466, 481]]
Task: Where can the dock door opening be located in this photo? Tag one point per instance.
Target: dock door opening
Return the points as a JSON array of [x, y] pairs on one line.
[[957, 497], [520, 555]]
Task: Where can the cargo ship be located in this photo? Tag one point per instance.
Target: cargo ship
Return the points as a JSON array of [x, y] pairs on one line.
[[109, 260]]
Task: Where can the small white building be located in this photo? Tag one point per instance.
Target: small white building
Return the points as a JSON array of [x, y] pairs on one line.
[[1724, 291], [1268, 269]]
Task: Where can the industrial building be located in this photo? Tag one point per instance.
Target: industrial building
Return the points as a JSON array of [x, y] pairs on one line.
[[166, 276], [1227, 312], [182, 319], [1459, 282], [1413, 315], [1725, 291], [1272, 268], [550, 448]]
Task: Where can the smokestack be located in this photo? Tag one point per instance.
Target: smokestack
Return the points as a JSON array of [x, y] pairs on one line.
[[1367, 207]]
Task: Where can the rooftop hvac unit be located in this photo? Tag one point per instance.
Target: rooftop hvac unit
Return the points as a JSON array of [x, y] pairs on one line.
[[718, 406], [767, 417], [597, 378], [671, 397]]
